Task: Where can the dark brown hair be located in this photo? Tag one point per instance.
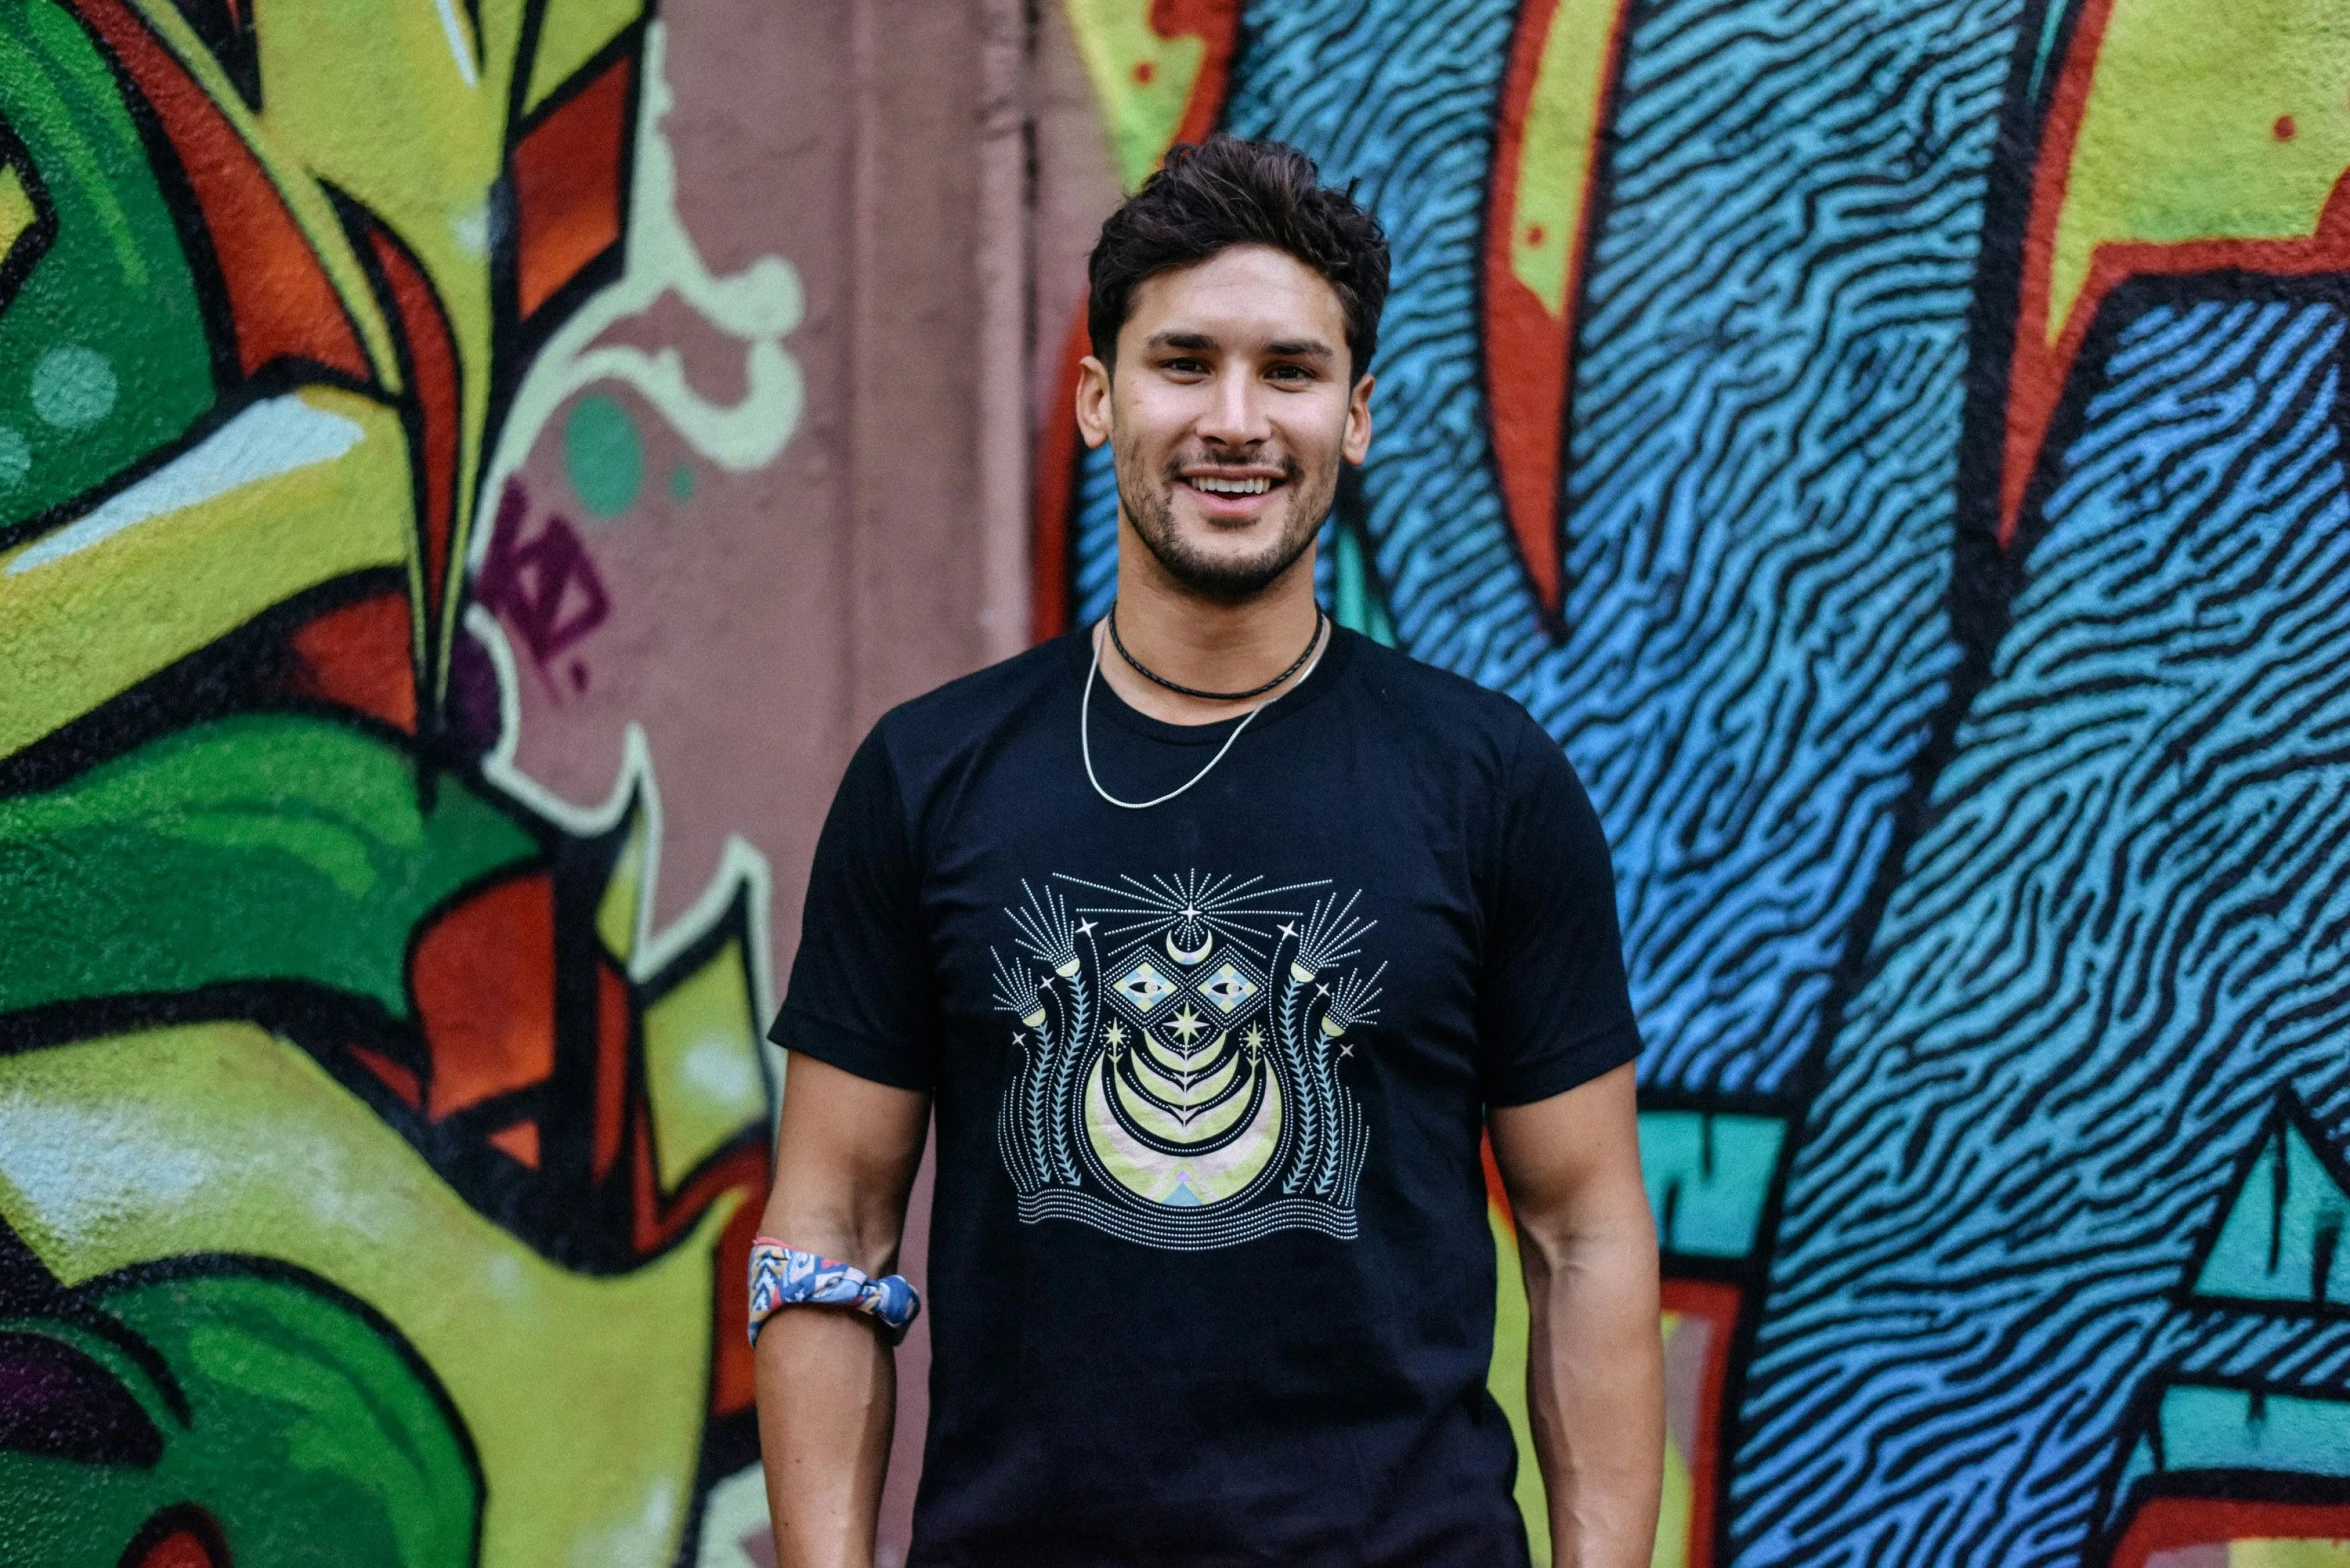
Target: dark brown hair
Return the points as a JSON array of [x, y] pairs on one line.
[[1225, 192]]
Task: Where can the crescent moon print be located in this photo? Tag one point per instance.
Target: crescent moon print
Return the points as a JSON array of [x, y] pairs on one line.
[[1182, 1044]]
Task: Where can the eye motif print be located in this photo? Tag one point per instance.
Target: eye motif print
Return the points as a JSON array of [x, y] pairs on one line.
[[1184, 1040]]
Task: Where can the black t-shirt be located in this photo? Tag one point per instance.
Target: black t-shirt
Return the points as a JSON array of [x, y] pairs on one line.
[[1210, 1279]]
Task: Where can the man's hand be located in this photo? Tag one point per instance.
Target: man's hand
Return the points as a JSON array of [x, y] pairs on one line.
[[1595, 1361], [844, 1162]]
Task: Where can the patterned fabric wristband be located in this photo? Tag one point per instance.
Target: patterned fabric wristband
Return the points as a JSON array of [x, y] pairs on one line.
[[783, 1276]]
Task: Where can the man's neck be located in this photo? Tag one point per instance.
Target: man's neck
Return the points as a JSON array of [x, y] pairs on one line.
[[1203, 643]]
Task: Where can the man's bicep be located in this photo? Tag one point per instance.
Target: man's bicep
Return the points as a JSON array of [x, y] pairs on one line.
[[1574, 1158], [845, 1157]]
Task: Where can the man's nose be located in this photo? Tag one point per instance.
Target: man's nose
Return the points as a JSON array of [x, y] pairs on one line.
[[1236, 416]]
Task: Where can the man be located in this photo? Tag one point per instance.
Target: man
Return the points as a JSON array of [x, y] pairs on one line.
[[1215, 936]]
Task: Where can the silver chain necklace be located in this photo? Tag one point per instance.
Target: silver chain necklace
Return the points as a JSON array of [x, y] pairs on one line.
[[1085, 730]]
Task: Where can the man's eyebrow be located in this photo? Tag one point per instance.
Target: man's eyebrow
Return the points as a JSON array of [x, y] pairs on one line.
[[1281, 348]]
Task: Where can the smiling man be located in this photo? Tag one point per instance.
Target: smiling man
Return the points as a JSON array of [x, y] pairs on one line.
[[1215, 936]]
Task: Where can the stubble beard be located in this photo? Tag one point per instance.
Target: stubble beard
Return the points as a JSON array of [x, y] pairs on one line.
[[1149, 504]]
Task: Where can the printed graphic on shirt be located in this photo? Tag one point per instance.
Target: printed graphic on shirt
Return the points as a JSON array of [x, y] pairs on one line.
[[1184, 1041]]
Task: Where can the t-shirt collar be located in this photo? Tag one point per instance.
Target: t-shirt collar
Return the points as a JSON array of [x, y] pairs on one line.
[[1110, 707]]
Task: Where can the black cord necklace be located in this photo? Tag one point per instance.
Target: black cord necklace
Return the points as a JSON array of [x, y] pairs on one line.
[[1149, 674]]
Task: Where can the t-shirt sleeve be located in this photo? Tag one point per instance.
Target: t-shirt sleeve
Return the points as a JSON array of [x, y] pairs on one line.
[[862, 995], [1553, 1008]]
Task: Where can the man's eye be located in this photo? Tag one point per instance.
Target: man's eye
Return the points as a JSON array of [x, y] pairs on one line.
[[1290, 373], [1185, 367]]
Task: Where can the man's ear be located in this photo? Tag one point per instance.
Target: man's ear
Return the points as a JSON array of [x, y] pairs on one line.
[[1358, 421], [1093, 400]]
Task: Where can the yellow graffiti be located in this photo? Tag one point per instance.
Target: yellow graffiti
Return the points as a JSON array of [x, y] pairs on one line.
[[1142, 80], [386, 102], [1677, 1504], [304, 198], [1555, 158], [572, 35], [2288, 1554], [225, 1138], [17, 212], [702, 1065], [2206, 119], [294, 492]]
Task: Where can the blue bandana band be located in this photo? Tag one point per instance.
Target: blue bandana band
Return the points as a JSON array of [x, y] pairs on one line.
[[783, 1276]]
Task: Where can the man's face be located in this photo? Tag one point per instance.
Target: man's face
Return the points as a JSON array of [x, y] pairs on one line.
[[1228, 416]]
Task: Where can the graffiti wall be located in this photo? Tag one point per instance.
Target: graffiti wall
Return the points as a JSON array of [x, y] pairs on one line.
[[1900, 452], [408, 518]]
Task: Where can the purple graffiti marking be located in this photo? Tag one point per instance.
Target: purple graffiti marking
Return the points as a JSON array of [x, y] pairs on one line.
[[544, 587]]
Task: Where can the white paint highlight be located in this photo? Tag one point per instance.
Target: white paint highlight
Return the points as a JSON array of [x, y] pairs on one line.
[[650, 1537], [83, 1170], [266, 441], [470, 227], [734, 1512], [459, 50], [714, 1065]]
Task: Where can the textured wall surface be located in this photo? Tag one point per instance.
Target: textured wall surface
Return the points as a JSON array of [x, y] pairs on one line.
[[470, 469], [458, 507], [1898, 450]]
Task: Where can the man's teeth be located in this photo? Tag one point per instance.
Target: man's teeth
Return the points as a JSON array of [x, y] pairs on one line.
[[1232, 486]]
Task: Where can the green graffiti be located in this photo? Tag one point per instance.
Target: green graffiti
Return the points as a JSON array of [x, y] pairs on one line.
[[262, 1399], [103, 354], [605, 455], [264, 846]]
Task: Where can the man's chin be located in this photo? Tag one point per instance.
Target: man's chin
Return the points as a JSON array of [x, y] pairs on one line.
[[1224, 559], [1228, 576]]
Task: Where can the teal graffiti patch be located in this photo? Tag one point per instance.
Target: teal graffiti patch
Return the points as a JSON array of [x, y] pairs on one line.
[[1708, 1174], [74, 388], [604, 454], [2280, 1240]]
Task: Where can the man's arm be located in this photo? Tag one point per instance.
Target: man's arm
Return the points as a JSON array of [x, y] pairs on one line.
[[1595, 1360], [844, 1162]]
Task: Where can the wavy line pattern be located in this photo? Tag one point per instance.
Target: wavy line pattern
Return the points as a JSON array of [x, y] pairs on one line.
[[2119, 940], [1174, 1233], [1763, 455], [1760, 490]]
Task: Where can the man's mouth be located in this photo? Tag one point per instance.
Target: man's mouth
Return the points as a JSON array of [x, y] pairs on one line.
[[1231, 496]]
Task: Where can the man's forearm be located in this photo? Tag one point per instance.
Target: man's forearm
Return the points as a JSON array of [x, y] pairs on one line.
[[827, 1402], [845, 1156], [1595, 1381]]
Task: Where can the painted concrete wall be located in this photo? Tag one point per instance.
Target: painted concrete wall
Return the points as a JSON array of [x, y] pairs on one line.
[[469, 471], [1899, 451]]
